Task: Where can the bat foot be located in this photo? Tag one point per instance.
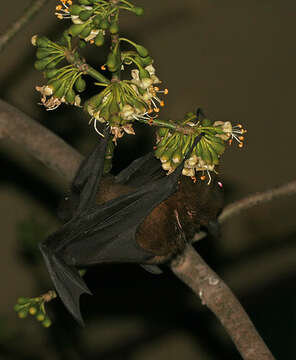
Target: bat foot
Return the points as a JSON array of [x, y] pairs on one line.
[[152, 269]]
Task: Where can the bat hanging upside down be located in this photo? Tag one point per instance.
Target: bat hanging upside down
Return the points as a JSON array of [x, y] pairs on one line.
[[140, 216]]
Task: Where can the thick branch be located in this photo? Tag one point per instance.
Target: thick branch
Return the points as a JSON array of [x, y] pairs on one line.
[[19, 24], [216, 295], [44, 145]]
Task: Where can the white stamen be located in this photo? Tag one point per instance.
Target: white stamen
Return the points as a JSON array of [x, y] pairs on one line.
[[96, 129]]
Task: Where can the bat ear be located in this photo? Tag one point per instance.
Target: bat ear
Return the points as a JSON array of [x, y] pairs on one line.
[[152, 269]]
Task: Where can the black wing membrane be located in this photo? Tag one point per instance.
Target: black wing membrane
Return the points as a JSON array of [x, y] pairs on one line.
[[104, 233]]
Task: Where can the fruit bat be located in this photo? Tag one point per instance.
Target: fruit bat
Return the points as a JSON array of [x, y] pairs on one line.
[[140, 216]]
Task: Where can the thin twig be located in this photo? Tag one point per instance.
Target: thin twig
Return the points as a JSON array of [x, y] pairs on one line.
[[217, 296], [235, 208], [34, 7]]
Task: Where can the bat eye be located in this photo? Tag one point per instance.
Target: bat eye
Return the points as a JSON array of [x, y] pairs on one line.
[[220, 185], [66, 198]]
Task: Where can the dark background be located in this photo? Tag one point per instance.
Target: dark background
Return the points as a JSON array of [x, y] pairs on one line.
[[236, 59]]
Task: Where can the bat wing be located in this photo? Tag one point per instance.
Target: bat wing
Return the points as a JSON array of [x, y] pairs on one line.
[[85, 184], [141, 171], [108, 232], [66, 279]]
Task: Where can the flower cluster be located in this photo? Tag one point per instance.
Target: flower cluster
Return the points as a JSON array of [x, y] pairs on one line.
[[91, 18], [59, 88], [123, 102], [172, 146], [35, 307]]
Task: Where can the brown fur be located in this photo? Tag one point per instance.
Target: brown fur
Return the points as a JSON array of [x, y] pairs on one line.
[[192, 206]]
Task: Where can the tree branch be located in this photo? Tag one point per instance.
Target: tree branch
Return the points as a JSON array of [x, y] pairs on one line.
[[235, 208], [44, 145], [216, 295], [34, 7]]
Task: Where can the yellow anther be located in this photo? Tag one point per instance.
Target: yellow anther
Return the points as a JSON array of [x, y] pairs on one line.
[[59, 7], [241, 138], [161, 103], [156, 109], [240, 145], [166, 91], [150, 122], [70, 2], [240, 126], [203, 177], [59, 16], [91, 41], [103, 67], [156, 88], [149, 111], [194, 179], [230, 141]]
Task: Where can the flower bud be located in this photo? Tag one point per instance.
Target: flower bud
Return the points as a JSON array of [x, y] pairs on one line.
[[112, 62], [46, 322], [32, 310], [146, 60], [22, 300], [177, 156], [42, 53], [42, 41], [114, 28], [84, 2], [76, 29], [75, 9], [85, 14], [23, 313], [17, 307], [114, 120], [49, 74], [40, 316], [142, 51], [138, 10], [41, 64], [99, 39], [70, 96], [206, 122], [86, 31], [166, 165], [97, 20], [143, 74], [80, 84], [104, 24]]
